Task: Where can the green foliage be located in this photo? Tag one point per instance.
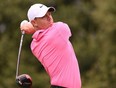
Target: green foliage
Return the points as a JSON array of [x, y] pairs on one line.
[[93, 27]]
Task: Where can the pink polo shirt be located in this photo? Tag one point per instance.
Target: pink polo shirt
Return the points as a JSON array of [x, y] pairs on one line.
[[55, 52]]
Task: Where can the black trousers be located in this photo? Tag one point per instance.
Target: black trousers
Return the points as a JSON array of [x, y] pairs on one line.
[[53, 86]]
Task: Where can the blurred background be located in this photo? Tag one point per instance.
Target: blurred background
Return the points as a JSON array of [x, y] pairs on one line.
[[93, 25]]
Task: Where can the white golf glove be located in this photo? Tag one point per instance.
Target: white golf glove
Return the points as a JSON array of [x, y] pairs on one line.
[[27, 27]]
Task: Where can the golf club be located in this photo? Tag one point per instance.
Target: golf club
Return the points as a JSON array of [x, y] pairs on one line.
[[24, 80], [19, 54]]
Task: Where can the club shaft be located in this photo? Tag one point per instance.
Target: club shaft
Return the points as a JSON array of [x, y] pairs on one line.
[[19, 54]]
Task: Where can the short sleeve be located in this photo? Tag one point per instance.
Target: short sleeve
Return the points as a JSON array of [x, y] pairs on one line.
[[65, 30]]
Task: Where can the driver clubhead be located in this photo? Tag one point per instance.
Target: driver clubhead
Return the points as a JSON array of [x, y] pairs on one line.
[[24, 81]]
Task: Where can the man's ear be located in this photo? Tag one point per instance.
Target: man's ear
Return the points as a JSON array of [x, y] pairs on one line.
[[33, 22]]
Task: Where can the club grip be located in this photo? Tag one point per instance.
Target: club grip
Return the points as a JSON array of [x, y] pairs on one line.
[[23, 32]]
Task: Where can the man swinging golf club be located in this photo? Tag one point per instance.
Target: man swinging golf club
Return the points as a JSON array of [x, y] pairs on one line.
[[51, 46]]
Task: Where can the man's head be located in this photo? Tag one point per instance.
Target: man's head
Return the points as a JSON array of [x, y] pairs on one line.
[[40, 16]]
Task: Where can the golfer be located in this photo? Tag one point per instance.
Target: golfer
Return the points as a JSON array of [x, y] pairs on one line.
[[51, 46]]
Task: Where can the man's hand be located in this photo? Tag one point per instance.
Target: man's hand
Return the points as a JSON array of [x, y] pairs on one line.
[[27, 27]]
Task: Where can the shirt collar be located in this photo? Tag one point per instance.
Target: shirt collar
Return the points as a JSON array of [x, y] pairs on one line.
[[36, 34]]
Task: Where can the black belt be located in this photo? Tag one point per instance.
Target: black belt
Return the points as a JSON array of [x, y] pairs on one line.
[[53, 86]]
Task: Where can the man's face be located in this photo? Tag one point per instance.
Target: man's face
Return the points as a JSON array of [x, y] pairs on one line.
[[43, 22]]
